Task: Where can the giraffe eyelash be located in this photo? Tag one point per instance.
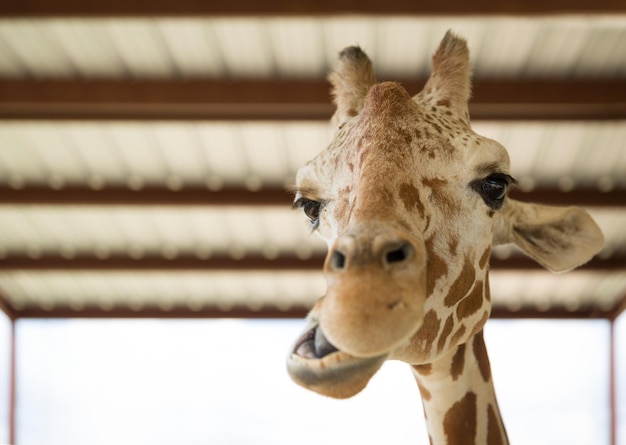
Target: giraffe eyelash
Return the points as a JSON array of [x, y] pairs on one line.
[[493, 189], [311, 208]]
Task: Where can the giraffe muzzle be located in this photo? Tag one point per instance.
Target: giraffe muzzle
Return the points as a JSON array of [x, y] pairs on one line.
[[376, 291]]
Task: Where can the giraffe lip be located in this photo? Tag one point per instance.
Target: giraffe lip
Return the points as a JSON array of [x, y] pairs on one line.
[[336, 374], [314, 345]]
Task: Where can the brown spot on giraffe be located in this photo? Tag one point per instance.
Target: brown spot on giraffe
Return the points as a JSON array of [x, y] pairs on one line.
[[459, 423], [435, 148], [494, 430], [429, 330], [424, 369], [458, 362], [434, 183], [447, 328], [472, 303], [481, 356], [436, 267], [484, 258], [453, 243], [410, 197], [446, 202], [481, 323], [426, 395], [462, 284], [457, 335]]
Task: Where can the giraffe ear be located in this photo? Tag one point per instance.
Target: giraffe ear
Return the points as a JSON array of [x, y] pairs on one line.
[[449, 84], [351, 80], [558, 238]]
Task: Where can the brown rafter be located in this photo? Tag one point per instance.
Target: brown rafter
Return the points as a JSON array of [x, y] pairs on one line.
[[295, 312], [268, 196], [46, 8], [288, 99], [285, 262], [197, 196]]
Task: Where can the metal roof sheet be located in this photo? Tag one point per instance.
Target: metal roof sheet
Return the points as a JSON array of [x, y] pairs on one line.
[[173, 155], [177, 154], [564, 46]]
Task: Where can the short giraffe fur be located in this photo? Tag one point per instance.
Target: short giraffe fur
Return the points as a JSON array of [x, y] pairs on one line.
[[410, 201]]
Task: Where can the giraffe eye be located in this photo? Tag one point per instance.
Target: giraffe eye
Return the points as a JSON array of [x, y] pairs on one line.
[[311, 209], [493, 189]]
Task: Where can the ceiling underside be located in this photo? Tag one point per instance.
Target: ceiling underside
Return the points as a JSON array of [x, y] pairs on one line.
[[144, 155]]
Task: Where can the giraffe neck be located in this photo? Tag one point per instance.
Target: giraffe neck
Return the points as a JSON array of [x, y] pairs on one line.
[[459, 398]]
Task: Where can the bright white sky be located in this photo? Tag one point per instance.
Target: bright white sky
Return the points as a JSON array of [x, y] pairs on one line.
[[224, 382]]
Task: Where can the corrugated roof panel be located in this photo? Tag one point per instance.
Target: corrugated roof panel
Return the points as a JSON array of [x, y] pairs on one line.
[[543, 289], [95, 145], [339, 32], [246, 47], [602, 157], [535, 290], [612, 224], [180, 147], [137, 148], [35, 49], [550, 153], [297, 47], [223, 149], [556, 159], [505, 47], [20, 232], [603, 52], [266, 153], [141, 47], [201, 231], [191, 289], [19, 164], [193, 46], [269, 153], [564, 46], [304, 141], [409, 53], [10, 65], [55, 152], [135, 231], [557, 47], [88, 47]]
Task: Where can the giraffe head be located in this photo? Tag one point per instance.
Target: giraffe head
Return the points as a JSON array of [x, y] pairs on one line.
[[410, 200]]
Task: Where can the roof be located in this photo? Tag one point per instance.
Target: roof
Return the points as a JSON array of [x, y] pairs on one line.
[[144, 156]]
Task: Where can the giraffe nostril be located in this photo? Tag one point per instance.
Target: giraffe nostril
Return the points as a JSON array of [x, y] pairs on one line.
[[399, 254], [338, 260]]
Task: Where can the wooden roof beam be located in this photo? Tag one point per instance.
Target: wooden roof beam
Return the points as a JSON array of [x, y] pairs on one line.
[[268, 196], [556, 99], [46, 8], [295, 312], [226, 263]]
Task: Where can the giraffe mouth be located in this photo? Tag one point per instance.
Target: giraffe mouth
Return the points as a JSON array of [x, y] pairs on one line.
[[318, 365], [313, 344]]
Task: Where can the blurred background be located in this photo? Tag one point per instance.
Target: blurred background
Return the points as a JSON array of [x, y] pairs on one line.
[[153, 274]]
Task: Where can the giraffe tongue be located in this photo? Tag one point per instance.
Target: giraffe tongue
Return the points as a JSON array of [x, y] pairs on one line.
[[322, 346], [314, 344]]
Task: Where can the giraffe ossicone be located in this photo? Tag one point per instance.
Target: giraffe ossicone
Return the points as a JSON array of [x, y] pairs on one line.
[[410, 201]]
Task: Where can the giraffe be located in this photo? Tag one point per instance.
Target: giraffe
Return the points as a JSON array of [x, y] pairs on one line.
[[410, 202]]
